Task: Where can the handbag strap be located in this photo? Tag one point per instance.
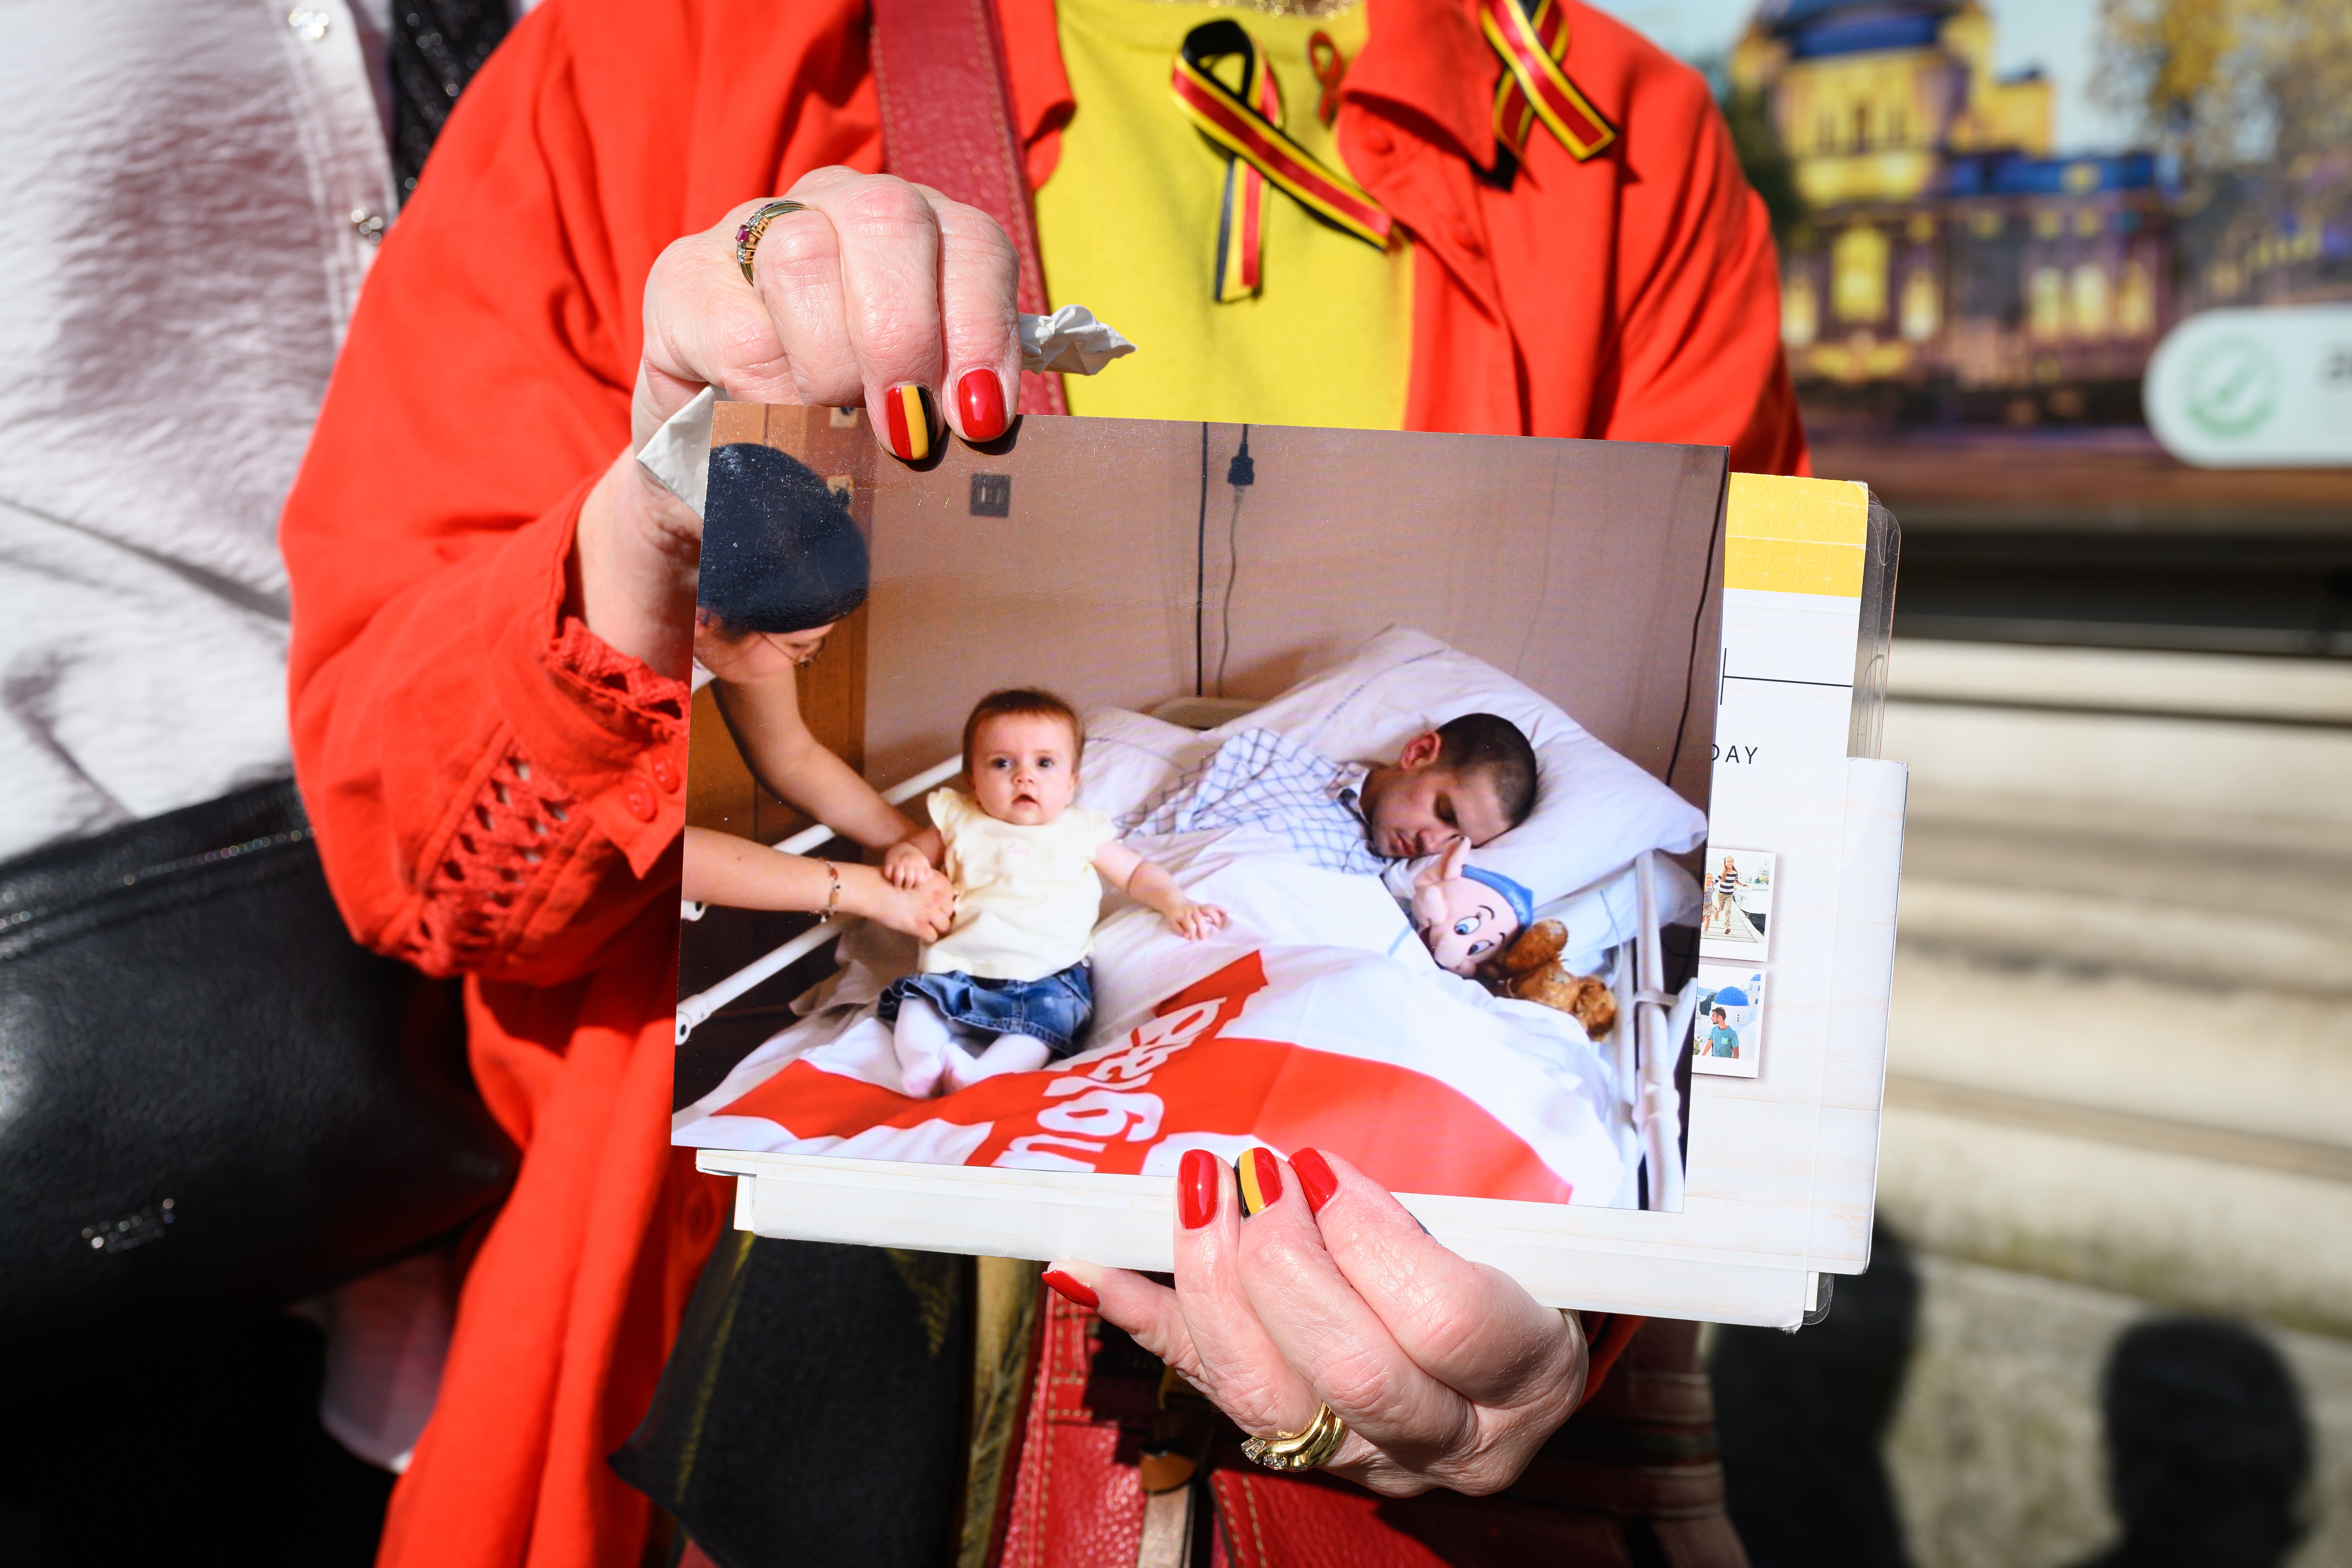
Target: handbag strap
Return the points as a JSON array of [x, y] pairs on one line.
[[947, 123]]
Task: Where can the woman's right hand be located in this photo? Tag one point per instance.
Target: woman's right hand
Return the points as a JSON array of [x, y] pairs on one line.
[[878, 285], [924, 912]]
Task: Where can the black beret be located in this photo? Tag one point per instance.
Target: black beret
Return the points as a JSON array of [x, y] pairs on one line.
[[779, 551]]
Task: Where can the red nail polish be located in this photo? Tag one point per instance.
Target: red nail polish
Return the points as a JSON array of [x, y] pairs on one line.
[[1069, 1290], [1315, 1178], [980, 398], [1261, 1176], [1196, 1188], [908, 421]]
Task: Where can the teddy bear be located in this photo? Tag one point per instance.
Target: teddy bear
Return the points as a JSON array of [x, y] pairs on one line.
[[1532, 972]]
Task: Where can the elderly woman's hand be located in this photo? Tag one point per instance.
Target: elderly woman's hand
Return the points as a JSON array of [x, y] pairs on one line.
[[877, 286], [1446, 1373]]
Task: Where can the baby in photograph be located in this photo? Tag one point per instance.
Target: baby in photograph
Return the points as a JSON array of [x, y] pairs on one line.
[[1010, 988]]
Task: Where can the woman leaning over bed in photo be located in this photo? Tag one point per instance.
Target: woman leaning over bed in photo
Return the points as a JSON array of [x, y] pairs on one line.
[[754, 627], [494, 625]]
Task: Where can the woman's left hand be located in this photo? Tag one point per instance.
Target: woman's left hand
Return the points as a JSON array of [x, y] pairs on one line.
[[1446, 1371]]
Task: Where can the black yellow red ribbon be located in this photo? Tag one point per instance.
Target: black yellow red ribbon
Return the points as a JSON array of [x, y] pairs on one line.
[[1532, 37], [1248, 126]]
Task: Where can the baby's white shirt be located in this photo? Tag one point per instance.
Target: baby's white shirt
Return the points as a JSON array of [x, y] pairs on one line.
[[1027, 898]]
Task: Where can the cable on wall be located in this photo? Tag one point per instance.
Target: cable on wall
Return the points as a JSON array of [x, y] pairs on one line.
[[1240, 473]]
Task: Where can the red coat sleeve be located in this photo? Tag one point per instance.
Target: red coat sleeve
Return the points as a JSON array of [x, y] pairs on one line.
[[1631, 296], [1697, 354], [494, 789]]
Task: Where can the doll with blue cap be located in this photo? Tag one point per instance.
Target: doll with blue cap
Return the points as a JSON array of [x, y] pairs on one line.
[[1466, 915], [1481, 924]]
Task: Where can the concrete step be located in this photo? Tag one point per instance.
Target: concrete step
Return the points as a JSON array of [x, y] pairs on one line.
[[2231, 687], [2268, 1066], [2179, 943], [2217, 749], [2178, 1229]]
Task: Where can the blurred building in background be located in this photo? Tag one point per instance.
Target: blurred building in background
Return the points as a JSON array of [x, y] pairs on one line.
[[1941, 260], [1945, 251]]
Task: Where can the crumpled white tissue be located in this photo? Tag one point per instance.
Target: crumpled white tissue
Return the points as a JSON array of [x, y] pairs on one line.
[[678, 454], [1070, 341]]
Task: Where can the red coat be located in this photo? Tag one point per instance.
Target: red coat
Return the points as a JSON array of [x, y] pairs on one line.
[[498, 794]]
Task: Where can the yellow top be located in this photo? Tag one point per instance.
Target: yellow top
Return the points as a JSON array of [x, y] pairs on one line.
[[1328, 337], [1027, 898]]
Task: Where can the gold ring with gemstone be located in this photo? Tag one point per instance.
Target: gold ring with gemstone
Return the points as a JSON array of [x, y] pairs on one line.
[[1304, 1450], [747, 239]]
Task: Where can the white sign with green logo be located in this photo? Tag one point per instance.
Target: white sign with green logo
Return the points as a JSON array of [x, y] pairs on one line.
[[2269, 387]]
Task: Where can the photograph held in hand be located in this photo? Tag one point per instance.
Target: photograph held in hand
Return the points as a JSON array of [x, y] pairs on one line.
[[1226, 828]]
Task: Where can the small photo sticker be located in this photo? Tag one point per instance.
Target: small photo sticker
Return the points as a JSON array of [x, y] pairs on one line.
[[1735, 904], [1727, 1035]]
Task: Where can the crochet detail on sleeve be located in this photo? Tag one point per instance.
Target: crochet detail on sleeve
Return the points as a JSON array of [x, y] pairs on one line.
[[624, 685], [476, 896]]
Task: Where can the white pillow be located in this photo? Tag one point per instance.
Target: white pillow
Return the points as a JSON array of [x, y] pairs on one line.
[[1606, 913], [1129, 757], [1594, 810]]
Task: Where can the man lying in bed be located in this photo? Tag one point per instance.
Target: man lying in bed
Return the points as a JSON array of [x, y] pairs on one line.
[[1472, 777]]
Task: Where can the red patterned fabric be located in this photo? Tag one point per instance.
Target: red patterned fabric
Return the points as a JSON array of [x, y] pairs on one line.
[[496, 792]]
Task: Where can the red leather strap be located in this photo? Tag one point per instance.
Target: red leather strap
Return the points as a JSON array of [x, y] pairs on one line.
[[1606, 1336], [1642, 1450], [947, 123]]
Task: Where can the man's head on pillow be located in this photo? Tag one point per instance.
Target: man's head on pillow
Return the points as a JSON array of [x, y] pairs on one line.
[[1472, 777]]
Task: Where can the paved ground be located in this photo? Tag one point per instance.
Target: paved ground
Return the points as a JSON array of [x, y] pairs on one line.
[[1996, 1452]]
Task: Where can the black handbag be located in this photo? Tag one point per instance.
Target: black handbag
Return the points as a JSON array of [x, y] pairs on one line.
[[212, 1099]]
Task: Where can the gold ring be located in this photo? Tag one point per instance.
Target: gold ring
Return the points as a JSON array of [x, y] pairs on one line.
[[747, 239], [1304, 1450]]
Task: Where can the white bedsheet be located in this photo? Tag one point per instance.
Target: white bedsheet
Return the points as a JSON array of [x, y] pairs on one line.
[[1345, 976]]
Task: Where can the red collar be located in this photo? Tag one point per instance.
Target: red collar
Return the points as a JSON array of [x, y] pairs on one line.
[[1427, 69]]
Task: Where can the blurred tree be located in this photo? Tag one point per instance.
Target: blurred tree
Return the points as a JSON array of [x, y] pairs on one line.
[[1763, 158], [2255, 99], [2224, 83]]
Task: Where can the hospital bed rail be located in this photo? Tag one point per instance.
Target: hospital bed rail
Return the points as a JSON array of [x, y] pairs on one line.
[[699, 1008]]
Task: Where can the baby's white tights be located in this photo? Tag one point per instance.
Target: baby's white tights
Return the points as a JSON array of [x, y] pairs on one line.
[[931, 1050], [922, 1040], [1006, 1052]]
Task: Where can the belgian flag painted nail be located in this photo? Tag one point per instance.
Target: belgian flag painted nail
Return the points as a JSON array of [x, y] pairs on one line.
[[909, 420], [1261, 1180]]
